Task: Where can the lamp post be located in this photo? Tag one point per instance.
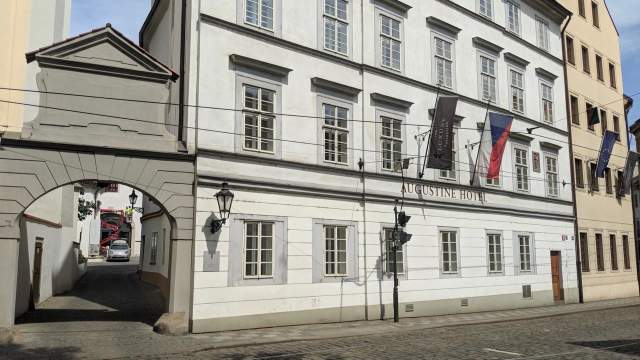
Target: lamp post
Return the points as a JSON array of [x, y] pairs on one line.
[[133, 198], [225, 199]]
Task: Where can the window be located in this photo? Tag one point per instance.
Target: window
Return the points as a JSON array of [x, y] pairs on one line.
[[259, 119], [259, 13], [524, 247], [335, 258], [584, 252], [593, 178], [154, 249], [517, 90], [625, 252], [595, 15], [603, 121], [542, 30], [443, 61], [585, 60], [449, 251], [336, 134], [258, 250], [488, 78], [513, 17], [388, 241], [607, 181], [581, 9], [616, 126], [599, 70], [571, 55], [599, 252], [613, 247], [494, 242], [451, 174], [588, 111], [390, 42], [391, 141], [547, 102], [522, 169], [164, 241], [336, 26], [485, 8], [575, 110], [612, 76], [551, 170], [579, 173], [619, 183]]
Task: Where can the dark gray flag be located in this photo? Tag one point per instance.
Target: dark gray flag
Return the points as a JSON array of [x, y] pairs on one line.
[[627, 176], [441, 142]]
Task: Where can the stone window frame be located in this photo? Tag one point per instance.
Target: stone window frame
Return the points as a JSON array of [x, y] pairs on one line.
[[449, 37], [493, 56], [613, 254], [626, 255], [382, 10], [526, 147], [252, 78], [318, 249], [516, 253], [236, 258], [321, 33], [541, 83], [492, 8], [518, 15], [548, 154], [546, 44], [458, 273], [384, 271], [277, 18], [326, 97], [597, 253], [584, 254], [489, 232], [519, 69], [384, 110]]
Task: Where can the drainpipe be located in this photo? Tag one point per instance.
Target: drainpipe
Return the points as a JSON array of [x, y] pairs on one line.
[[183, 36], [576, 234]]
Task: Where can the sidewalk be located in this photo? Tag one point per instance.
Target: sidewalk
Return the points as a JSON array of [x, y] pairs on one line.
[[358, 328]]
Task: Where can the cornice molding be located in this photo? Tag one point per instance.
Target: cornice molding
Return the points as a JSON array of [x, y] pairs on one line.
[[388, 100], [486, 44], [516, 59], [443, 25], [396, 5], [334, 86], [544, 73], [259, 65]]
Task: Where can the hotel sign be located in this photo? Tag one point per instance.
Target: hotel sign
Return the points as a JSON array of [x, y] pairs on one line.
[[443, 192]]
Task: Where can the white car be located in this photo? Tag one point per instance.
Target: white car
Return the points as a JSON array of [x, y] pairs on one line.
[[118, 250]]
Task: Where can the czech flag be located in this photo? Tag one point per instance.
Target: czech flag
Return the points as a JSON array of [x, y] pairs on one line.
[[492, 143]]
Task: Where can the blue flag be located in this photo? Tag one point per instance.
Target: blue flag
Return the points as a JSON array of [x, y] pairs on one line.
[[606, 148]]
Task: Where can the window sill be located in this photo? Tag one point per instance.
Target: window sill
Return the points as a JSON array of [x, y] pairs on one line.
[[390, 69], [337, 53]]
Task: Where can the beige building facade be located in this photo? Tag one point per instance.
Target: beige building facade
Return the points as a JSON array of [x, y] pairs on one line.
[[26, 25], [604, 220]]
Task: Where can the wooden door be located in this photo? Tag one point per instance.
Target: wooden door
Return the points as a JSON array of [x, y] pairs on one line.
[[556, 276], [37, 270]]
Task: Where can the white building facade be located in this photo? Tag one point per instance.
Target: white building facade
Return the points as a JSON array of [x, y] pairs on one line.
[[303, 107]]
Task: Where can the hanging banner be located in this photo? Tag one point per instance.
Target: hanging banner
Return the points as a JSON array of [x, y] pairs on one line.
[[606, 148], [492, 144], [625, 184], [441, 141]]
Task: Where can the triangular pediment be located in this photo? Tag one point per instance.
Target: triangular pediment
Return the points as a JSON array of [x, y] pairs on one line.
[[104, 51]]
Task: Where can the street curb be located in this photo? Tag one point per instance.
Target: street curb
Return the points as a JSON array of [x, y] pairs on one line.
[[385, 328]]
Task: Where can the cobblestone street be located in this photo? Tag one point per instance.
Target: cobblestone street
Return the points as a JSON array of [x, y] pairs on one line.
[[110, 313]]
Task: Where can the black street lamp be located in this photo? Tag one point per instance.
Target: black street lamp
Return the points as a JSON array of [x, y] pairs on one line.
[[133, 198], [225, 199]]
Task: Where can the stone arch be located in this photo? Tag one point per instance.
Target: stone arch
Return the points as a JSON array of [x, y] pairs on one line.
[[28, 170]]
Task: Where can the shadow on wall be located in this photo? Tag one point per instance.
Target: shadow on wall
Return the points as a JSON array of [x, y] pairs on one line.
[[211, 258]]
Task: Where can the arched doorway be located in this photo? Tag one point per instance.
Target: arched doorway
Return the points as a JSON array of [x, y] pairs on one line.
[[28, 174]]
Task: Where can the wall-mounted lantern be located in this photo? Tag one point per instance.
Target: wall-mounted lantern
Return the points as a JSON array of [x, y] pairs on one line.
[[225, 199]]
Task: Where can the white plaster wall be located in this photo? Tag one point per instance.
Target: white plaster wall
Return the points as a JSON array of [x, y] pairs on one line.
[[214, 298], [162, 226]]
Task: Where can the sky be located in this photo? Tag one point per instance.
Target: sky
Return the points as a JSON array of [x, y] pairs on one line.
[[128, 15]]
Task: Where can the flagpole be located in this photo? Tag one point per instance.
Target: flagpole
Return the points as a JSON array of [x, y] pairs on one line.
[[426, 151], [475, 167]]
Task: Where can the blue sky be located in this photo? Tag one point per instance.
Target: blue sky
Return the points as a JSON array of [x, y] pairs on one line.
[[128, 15]]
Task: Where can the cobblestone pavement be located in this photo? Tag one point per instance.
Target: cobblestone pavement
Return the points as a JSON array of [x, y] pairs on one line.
[[109, 316]]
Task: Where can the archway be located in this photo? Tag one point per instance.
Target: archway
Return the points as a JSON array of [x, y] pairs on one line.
[[27, 173]]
